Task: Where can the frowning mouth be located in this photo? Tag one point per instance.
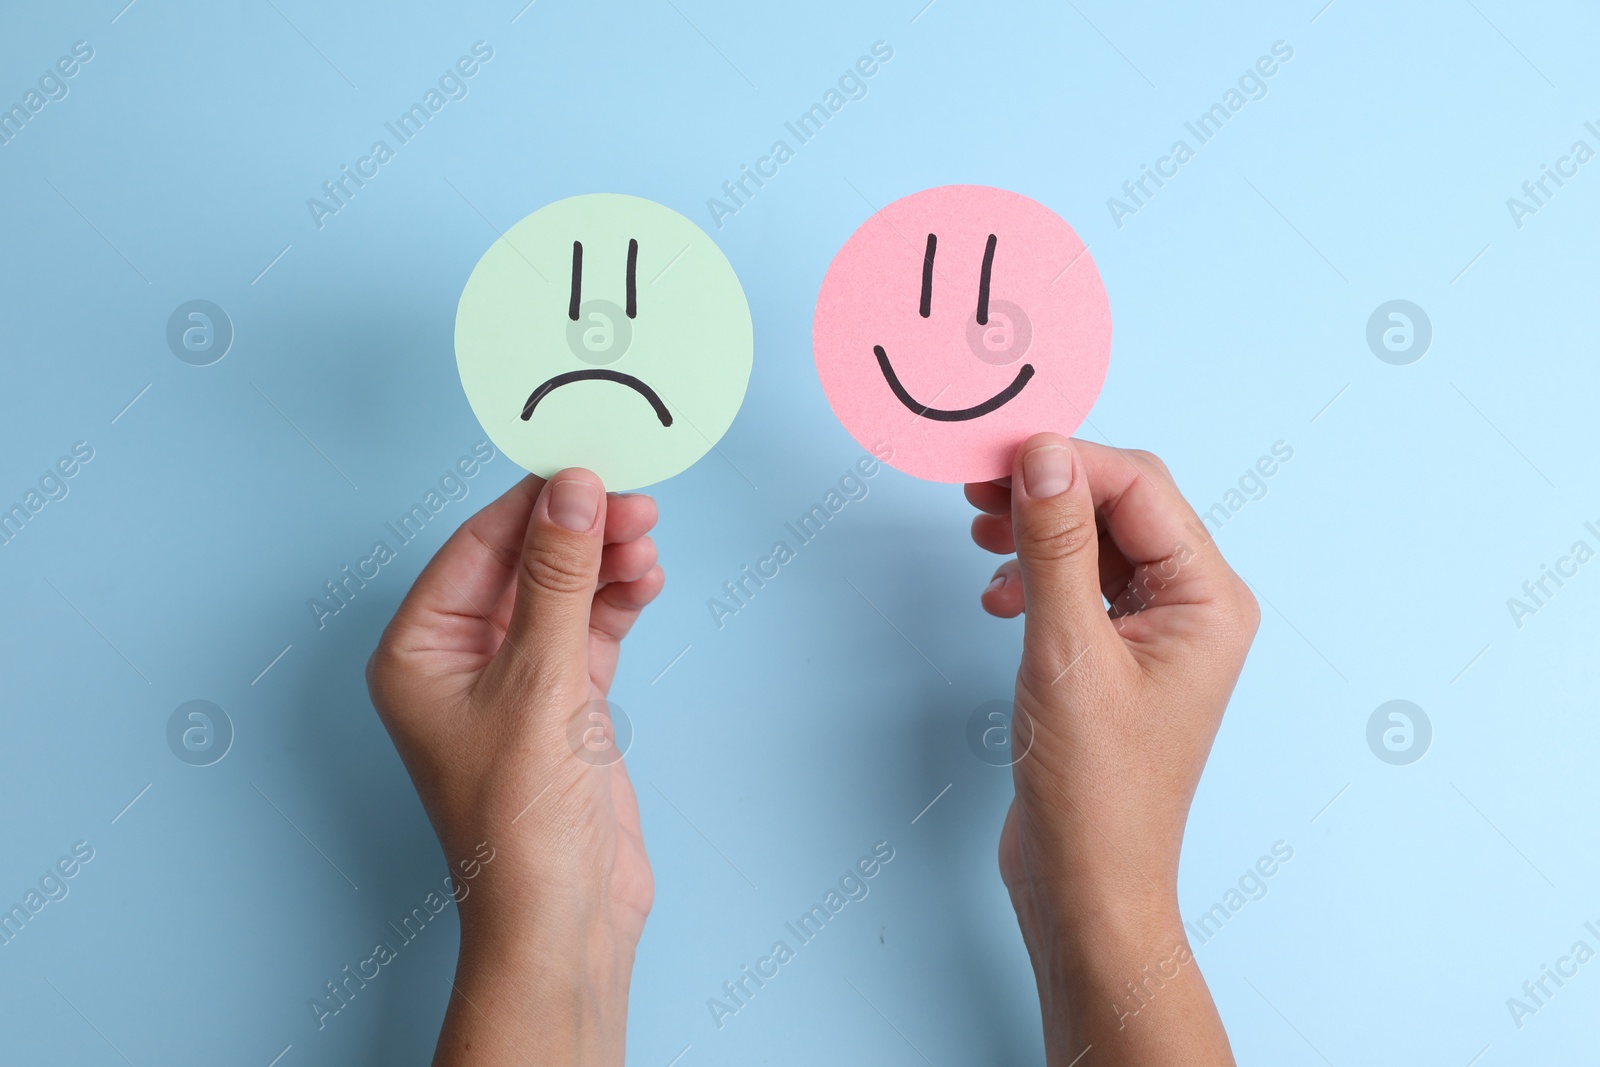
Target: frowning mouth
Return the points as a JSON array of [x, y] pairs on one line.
[[602, 375], [1001, 398]]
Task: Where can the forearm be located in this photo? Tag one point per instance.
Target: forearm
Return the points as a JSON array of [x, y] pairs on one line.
[[1123, 980], [538, 996]]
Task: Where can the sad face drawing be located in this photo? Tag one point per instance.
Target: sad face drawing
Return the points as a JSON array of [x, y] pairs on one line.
[[608, 332], [604, 339]]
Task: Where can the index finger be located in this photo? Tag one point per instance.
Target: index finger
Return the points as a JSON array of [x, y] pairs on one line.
[[1140, 508], [472, 572]]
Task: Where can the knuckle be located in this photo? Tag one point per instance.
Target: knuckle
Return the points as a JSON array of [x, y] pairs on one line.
[[381, 665], [1058, 536], [389, 683], [556, 568], [1237, 617], [1249, 612], [1051, 669], [1150, 461], [376, 663]]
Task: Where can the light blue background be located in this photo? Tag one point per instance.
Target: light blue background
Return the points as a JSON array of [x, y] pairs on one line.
[[807, 728]]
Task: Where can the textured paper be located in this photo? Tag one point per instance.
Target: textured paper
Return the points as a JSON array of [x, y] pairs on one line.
[[1047, 338], [636, 400]]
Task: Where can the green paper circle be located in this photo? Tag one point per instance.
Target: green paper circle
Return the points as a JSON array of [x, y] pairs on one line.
[[689, 343]]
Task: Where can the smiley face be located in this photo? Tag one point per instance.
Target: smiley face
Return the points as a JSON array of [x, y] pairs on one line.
[[608, 332], [956, 322]]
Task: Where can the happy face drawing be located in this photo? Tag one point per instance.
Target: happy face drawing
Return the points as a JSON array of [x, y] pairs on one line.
[[608, 332], [956, 322]]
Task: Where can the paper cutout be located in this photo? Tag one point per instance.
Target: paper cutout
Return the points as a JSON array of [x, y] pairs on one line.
[[955, 323], [608, 332]]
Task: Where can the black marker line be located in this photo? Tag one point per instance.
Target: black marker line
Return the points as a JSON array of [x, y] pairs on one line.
[[927, 275], [983, 282], [633, 263], [577, 280], [600, 375], [942, 414]]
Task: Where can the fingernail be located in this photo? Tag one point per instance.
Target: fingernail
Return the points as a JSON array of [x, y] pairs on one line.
[[997, 582], [1047, 470], [573, 504]]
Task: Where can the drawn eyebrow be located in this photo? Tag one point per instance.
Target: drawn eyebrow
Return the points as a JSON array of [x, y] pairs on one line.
[[577, 280], [927, 274], [633, 262], [983, 282]]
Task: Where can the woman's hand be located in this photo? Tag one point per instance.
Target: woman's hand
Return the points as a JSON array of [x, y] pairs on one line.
[[1116, 711], [491, 679]]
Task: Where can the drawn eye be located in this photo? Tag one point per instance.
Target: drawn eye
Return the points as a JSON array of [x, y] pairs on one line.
[[577, 280], [633, 264], [983, 281], [927, 274], [926, 306]]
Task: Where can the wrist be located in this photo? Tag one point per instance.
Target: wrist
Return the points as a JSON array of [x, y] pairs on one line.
[[565, 948], [1131, 988], [559, 985], [554, 918], [1109, 917], [1100, 963]]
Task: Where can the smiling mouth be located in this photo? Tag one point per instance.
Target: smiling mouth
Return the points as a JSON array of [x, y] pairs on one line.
[[942, 414], [600, 375]]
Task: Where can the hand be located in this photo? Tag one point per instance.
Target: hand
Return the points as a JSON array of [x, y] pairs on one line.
[[484, 679], [1116, 710]]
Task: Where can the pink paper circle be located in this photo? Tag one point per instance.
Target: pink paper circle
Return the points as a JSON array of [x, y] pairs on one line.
[[948, 365]]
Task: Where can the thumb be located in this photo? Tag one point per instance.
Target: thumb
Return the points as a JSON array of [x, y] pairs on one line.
[[1052, 518], [546, 642]]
